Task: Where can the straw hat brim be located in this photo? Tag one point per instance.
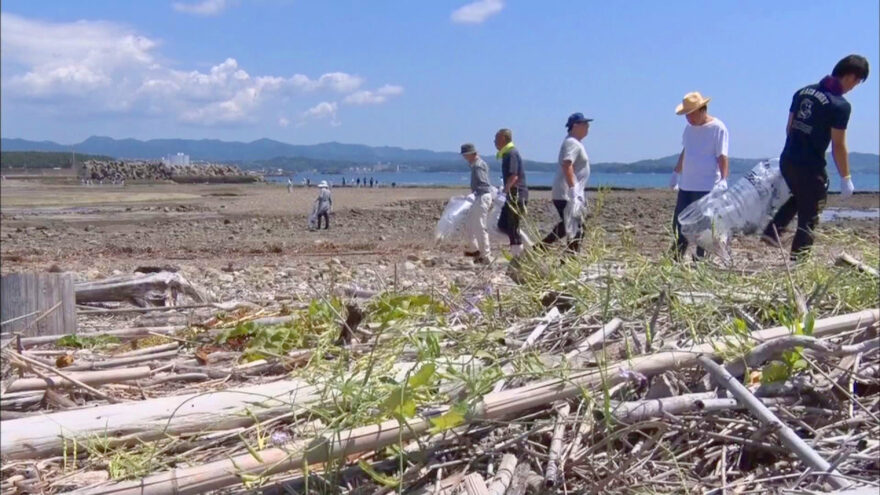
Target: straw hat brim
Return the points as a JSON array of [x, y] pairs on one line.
[[680, 110]]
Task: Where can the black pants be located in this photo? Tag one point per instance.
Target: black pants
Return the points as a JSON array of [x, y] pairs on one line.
[[685, 199], [558, 231], [809, 190], [509, 220], [326, 216]]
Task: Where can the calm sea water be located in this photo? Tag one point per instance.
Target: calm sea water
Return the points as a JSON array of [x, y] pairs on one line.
[[863, 182]]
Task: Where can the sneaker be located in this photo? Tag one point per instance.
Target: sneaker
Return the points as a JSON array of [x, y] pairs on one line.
[[472, 254], [481, 260]]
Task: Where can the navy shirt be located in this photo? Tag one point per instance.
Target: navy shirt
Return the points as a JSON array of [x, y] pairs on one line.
[[817, 109], [511, 164]]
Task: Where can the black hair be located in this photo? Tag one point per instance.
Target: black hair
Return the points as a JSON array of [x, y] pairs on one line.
[[856, 65]]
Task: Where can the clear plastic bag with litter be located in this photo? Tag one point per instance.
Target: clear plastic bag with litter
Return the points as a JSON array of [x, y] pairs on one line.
[[745, 208]]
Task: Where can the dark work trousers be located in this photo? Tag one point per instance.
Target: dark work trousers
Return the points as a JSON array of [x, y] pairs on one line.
[[509, 220], [558, 231], [326, 216], [809, 190], [685, 199]]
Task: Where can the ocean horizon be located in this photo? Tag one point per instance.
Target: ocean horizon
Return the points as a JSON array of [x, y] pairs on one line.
[[863, 182]]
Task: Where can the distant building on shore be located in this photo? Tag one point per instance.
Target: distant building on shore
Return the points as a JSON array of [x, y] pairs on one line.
[[178, 159]]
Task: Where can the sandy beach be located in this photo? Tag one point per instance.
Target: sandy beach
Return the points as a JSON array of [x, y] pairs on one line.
[[105, 228]]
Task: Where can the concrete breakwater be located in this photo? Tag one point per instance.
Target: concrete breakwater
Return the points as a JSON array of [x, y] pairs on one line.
[[116, 171]]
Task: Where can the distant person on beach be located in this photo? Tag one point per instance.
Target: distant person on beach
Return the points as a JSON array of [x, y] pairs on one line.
[[702, 165], [478, 216], [371, 182], [516, 193], [308, 182], [359, 182], [393, 185], [323, 203], [343, 182], [818, 115], [571, 179], [289, 185]]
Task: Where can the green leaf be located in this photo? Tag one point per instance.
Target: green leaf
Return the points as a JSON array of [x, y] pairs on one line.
[[423, 376], [384, 480], [809, 323], [775, 371], [455, 416]]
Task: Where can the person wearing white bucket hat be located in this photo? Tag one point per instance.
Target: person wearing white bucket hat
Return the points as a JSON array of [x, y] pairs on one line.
[[323, 204], [702, 165]]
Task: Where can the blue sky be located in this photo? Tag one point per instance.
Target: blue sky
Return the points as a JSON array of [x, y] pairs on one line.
[[427, 74]]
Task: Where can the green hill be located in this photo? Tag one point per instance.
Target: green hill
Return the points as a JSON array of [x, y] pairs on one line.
[[43, 159]]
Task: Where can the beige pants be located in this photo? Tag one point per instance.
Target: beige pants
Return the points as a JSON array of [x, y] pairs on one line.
[[477, 223]]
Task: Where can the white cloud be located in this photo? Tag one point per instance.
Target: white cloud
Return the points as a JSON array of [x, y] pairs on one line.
[[70, 58], [283, 122], [477, 12], [322, 111], [380, 95], [337, 81], [205, 7], [96, 66]]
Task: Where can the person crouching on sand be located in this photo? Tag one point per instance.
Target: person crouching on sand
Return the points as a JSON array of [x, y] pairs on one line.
[[477, 232], [702, 165]]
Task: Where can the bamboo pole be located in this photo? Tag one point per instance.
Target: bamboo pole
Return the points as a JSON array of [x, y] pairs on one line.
[[804, 452], [597, 337], [121, 333], [227, 472], [87, 378], [504, 475]]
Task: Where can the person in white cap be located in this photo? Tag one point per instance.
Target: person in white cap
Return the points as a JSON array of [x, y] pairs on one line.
[[702, 165], [478, 216], [323, 203]]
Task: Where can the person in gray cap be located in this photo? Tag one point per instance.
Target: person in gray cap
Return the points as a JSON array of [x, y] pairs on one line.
[[571, 179], [477, 220]]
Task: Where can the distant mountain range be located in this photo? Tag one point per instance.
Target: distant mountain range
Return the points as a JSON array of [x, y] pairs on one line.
[[330, 157]]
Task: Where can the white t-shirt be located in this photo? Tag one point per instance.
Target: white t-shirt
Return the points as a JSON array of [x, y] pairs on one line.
[[573, 151], [702, 144]]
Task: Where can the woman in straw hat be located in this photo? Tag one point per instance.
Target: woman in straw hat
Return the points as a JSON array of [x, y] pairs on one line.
[[702, 165]]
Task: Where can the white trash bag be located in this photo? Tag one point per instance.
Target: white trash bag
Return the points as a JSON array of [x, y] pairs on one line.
[[745, 208], [453, 217], [313, 218], [498, 200], [572, 213]]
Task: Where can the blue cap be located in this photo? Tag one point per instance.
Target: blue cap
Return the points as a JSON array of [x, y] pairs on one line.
[[576, 118]]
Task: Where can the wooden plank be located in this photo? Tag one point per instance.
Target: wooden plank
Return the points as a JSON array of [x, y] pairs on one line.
[[35, 293]]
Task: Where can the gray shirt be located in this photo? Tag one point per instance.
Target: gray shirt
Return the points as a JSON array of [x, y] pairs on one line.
[[571, 150], [324, 200], [479, 177]]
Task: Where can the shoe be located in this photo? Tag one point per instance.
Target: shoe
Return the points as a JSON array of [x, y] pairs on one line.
[[481, 260], [472, 254], [771, 241]]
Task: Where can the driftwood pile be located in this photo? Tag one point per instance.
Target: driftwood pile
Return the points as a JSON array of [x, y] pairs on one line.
[[604, 412]]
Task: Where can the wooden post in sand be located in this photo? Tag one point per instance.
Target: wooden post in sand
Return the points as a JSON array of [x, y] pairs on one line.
[[37, 304]]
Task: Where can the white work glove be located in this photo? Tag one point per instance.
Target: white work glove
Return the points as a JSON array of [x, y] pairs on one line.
[[846, 186], [673, 181], [720, 186]]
